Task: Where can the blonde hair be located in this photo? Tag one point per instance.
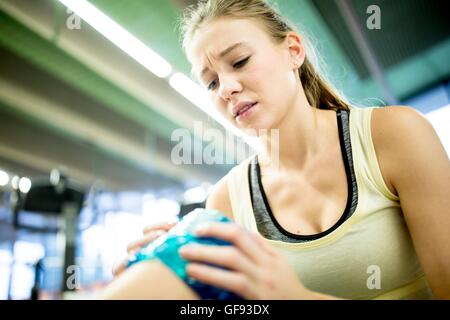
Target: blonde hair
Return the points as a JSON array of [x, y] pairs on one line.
[[318, 91]]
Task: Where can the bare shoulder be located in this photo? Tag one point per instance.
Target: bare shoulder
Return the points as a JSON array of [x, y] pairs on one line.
[[219, 198], [396, 129], [397, 124], [418, 166], [396, 114]]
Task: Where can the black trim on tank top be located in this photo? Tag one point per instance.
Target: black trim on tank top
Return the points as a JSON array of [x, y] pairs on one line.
[[351, 189]]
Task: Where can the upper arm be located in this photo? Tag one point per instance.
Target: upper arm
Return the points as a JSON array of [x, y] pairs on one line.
[[419, 169], [219, 199]]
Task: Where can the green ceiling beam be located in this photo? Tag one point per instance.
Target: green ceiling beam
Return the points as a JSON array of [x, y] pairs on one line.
[[407, 78], [45, 55]]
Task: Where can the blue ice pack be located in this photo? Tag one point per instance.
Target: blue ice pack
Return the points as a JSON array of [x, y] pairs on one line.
[[165, 248]]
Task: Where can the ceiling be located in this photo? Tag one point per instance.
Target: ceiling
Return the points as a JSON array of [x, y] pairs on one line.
[[70, 97]]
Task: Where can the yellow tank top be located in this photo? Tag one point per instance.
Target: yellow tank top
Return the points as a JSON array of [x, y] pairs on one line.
[[370, 255]]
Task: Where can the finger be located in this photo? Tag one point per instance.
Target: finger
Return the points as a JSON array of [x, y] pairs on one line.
[[224, 256], [165, 226], [120, 267], [228, 280], [238, 236], [144, 240], [263, 242]]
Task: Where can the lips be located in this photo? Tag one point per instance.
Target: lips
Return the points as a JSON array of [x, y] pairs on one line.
[[245, 109], [242, 107]]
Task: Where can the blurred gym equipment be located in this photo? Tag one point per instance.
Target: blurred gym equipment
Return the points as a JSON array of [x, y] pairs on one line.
[[57, 196]]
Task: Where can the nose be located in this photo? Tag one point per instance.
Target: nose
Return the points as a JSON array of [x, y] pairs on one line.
[[229, 86]]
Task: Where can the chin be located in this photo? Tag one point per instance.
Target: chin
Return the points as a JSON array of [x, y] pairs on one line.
[[256, 130]]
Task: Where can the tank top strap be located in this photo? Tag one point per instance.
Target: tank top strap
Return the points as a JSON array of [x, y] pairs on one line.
[[239, 192], [364, 154]]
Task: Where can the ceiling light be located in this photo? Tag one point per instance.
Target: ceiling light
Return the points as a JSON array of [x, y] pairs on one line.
[[24, 184], [4, 178], [120, 37]]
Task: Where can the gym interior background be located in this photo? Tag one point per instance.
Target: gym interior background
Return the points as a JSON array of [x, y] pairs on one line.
[[86, 118]]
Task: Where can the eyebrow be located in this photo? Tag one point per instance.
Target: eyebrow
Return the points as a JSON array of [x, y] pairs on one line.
[[224, 53]]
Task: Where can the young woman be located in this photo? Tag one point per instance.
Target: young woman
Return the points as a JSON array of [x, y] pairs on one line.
[[357, 203]]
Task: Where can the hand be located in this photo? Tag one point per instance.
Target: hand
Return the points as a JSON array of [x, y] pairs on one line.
[[150, 233], [257, 271]]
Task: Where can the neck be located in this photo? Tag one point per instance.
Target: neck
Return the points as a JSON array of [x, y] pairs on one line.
[[301, 137]]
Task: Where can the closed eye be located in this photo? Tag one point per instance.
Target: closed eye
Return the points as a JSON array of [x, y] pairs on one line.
[[241, 63], [237, 65]]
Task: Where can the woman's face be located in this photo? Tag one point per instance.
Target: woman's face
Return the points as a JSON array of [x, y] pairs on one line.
[[253, 69]]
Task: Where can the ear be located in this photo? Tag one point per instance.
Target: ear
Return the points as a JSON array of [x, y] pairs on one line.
[[296, 50]]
